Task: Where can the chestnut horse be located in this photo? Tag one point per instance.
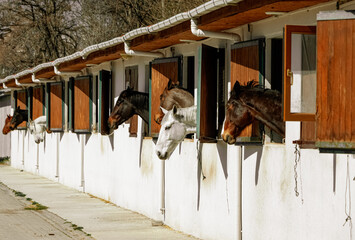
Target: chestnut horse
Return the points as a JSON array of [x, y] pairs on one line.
[[11, 122], [129, 103], [173, 95], [250, 102], [6, 129]]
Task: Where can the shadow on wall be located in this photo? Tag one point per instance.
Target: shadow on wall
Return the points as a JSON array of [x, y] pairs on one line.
[[251, 150], [222, 152], [112, 141], [200, 176], [87, 137], [334, 171]]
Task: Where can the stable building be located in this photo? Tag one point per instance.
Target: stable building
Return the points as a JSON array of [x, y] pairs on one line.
[[263, 187]]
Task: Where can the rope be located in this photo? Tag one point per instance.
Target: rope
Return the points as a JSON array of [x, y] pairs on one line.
[[348, 199], [298, 162]]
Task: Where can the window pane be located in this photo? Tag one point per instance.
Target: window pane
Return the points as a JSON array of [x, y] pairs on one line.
[[303, 66]]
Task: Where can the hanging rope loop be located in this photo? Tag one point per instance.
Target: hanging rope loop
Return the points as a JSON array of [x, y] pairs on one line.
[[298, 165], [297, 160], [348, 199]]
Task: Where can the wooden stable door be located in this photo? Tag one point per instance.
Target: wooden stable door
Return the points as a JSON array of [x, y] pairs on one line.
[[21, 101], [162, 70], [335, 117], [37, 102], [82, 104], [55, 109], [247, 64]]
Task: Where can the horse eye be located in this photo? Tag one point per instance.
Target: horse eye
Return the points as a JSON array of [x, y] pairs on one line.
[[167, 127]]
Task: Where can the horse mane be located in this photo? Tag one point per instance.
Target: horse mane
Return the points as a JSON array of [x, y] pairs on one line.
[[175, 85], [139, 99], [249, 86]]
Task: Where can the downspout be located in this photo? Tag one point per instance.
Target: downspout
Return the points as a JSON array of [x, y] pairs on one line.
[[59, 73], [23, 150], [82, 141], [240, 193], [220, 35], [42, 80], [162, 207], [131, 52], [10, 88], [57, 157], [37, 165], [24, 84]]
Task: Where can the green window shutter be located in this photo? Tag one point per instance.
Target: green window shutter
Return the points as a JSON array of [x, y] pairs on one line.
[[47, 103], [70, 104], [29, 102], [15, 100], [150, 98], [207, 94], [104, 101]]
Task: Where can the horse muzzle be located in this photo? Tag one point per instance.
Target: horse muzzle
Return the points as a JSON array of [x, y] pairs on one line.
[[158, 118], [228, 138], [112, 124], [162, 156]]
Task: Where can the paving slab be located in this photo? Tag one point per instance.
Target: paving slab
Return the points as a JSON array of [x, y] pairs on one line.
[[17, 223], [100, 219]]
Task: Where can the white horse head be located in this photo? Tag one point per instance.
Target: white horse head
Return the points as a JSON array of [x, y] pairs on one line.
[[176, 124], [37, 128]]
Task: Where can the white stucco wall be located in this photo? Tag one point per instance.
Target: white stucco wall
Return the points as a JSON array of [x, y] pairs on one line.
[[5, 140], [126, 171]]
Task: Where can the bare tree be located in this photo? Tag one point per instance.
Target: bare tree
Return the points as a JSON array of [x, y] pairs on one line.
[[37, 31]]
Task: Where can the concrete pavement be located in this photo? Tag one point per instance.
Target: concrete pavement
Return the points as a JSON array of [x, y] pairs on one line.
[[17, 223], [100, 219]]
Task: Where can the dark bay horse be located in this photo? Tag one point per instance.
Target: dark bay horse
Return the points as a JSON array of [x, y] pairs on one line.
[[250, 102], [11, 123], [6, 129], [129, 102], [173, 95]]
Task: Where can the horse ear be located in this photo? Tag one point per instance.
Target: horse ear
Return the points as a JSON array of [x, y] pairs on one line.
[[174, 109], [236, 87], [170, 84], [164, 110]]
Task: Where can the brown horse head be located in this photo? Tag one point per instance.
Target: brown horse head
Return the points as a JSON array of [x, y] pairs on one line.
[[6, 129], [19, 116], [129, 103], [172, 95], [250, 102]]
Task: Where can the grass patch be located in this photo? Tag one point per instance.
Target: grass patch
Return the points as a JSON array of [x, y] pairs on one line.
[[29, 199], [78, 228], [19, 194], [4, 159], [36, 206]]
